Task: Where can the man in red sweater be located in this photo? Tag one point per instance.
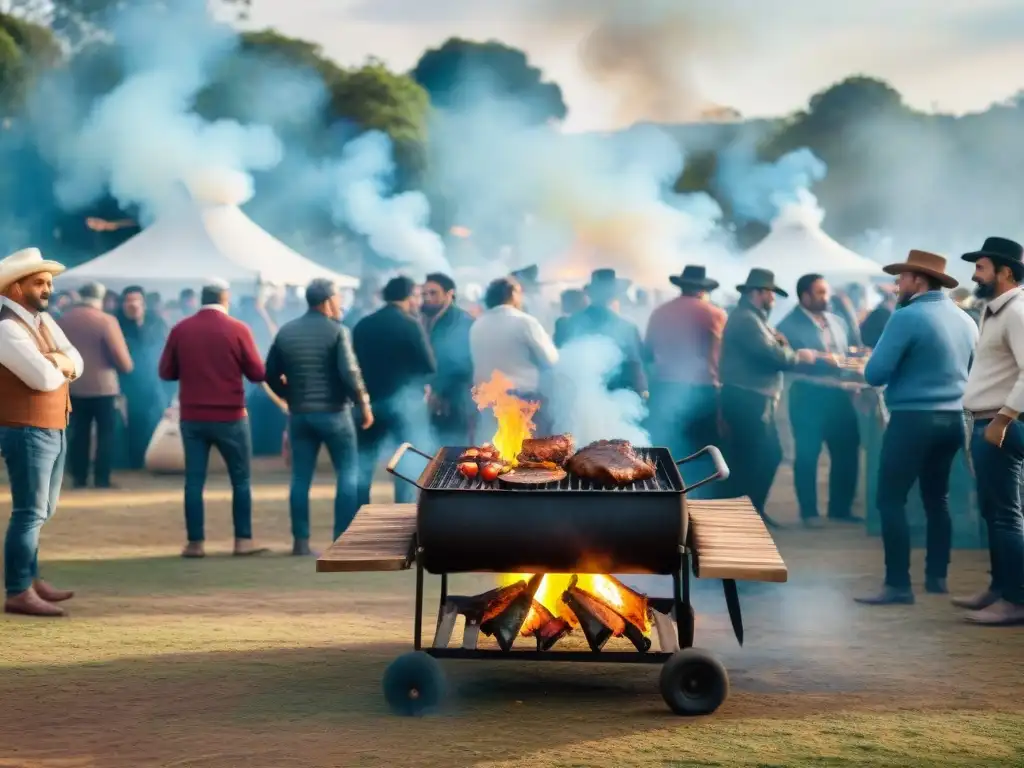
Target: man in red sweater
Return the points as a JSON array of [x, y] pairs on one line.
[[208, 354]]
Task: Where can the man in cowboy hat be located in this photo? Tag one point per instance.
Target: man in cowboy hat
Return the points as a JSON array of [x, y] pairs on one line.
[[602, 318], [921, 359], [37, 363], [754, 357], [995, 400], [682, 348], [821, 412]]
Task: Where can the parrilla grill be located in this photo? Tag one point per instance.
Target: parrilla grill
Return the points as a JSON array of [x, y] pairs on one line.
[[568, 527], [574, 525]]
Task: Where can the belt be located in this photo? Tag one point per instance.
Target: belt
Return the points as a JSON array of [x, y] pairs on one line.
[[986, 415]]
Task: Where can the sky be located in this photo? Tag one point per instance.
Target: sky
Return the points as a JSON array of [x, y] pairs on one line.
[[761, 57]]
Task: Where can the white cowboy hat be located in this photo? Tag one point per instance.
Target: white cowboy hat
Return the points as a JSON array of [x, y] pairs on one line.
[[23, 263]]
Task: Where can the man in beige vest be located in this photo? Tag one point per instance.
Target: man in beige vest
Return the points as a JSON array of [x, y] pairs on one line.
[[37, 363]]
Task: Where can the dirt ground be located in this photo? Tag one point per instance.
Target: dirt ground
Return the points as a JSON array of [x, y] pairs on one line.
[[262, 663]]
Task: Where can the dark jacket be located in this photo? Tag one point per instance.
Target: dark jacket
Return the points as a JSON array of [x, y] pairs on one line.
[[753, 354], [393, 353], [601, 321], [145, 343], [873, 325], [449, 339], [314, 354], [803, 333]]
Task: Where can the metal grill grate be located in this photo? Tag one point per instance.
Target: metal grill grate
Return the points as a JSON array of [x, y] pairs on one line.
[[448, 478]]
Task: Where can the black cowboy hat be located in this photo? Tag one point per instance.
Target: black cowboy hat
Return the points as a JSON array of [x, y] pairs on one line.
[[1002, 252], [694, 277], [761, 280], [606, 280]]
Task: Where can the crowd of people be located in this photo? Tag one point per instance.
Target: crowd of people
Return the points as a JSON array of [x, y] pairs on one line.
[[400, 367]]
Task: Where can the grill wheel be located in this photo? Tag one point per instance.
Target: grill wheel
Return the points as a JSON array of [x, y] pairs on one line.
[[414, 684], [693, 682]]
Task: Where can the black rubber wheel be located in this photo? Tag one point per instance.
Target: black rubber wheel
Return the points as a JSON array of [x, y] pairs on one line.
[[693, 682], [414, 684]]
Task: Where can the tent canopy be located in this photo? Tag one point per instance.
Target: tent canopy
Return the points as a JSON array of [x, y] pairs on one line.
[[197, 244], [795, 246]]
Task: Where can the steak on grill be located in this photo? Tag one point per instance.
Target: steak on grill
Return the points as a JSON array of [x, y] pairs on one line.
[[610, 462], [555, 449]]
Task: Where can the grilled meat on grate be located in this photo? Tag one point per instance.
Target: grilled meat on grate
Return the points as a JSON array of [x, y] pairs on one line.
[[610, 462], [546, 451]]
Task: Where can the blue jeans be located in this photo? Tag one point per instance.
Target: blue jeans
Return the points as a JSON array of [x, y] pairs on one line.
[[35, 466], [918, 446], [233, 441], [998, 472], [306, 433]]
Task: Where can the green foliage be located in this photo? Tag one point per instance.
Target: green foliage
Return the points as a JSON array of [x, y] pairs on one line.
[[462, 70], [376, 98], [79, 22], [26, 50]]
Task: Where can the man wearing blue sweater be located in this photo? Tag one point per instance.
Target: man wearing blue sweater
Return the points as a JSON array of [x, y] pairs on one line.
[[922, 359]]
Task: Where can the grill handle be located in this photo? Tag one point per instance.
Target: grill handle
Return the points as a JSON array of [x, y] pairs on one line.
[[392, 466], [721, 468]]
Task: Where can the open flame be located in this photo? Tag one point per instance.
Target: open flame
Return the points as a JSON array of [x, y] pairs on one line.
[[515, 424], [514, 415], [549, 594]]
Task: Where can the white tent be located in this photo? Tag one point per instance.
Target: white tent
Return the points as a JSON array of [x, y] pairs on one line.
[[196, 244], [797, 245]]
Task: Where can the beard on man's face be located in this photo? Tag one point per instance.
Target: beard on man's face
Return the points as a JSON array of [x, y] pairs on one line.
[[984, 290], [39, 303]]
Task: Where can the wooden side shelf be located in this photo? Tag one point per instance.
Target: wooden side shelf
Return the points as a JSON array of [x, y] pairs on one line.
[[730, 541], [381, 538]]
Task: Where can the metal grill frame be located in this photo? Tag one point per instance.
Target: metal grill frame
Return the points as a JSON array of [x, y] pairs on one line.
[[443, 475]]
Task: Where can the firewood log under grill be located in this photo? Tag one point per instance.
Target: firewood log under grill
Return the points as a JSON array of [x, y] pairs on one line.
[[545, 627], [600, 622], [506, 619]]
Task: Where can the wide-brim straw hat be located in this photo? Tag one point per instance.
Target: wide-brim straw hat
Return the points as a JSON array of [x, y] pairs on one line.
[[24, 263], [924, 263]]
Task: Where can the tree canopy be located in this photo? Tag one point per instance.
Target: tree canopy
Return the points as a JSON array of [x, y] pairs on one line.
[[26, 50], [462, 70]]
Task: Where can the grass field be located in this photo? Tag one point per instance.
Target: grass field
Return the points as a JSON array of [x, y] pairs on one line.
[[262, 663]]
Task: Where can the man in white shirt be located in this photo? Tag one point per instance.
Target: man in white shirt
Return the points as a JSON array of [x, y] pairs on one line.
[[37, 363], [506, 339], [994, 399]]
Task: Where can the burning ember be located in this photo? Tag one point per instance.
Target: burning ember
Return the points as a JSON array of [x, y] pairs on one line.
[[514, 415], [603, 600]]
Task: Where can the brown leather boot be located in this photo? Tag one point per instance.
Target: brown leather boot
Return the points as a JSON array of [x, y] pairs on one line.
[[194, 549], [52, 594], [978, 601], [245, 548], [28, 603]]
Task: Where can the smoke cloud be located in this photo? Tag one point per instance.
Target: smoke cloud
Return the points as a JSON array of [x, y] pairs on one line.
[[762, 191], [143, 140], [396, 226], [581, 401], [646, 53], [581, 201]]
